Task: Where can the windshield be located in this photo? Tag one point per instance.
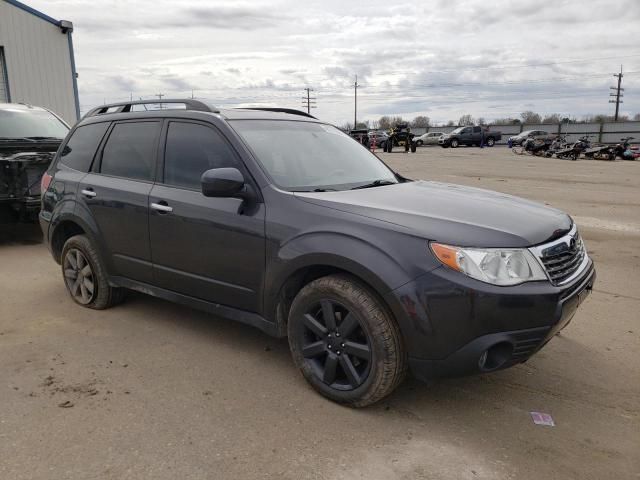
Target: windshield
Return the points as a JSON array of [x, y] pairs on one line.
[[458, 130], [22, 123], [306, 156]]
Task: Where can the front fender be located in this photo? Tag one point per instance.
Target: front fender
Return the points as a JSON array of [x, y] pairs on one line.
[[370, 263]]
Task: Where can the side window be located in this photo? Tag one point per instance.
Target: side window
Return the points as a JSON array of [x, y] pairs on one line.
[[477, 129], [191, 150], [79, 151], [130, 150], [467, 130]]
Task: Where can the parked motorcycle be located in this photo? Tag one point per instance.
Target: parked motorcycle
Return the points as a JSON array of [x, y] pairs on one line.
[[559, 143], [534, 146], [574, 151], [623, 150], [601, 152]]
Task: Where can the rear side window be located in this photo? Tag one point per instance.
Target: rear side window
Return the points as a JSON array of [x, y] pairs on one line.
[[191, 150], [130, 150], [79, 151]]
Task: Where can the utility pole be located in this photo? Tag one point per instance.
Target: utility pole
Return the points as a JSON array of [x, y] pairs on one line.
[[355, 104], [309, 101], [160, 95], [618, 94]]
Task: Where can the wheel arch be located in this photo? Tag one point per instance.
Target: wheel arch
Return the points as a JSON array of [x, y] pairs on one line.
[[68, 224]]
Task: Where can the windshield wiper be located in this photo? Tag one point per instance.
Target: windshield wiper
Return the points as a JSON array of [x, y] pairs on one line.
[[375, 183], [44, 138]]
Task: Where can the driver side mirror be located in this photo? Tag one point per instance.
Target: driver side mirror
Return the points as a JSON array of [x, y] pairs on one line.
[[222, 182]]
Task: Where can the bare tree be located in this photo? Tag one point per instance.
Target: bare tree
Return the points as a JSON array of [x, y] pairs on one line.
[[420, 121], [530, 117], [481, 121], [636, 117], [450, 123], [553, 118], [384, 123], [466, 120]]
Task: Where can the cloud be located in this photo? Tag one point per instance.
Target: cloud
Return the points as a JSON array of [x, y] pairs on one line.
[[445, 58]]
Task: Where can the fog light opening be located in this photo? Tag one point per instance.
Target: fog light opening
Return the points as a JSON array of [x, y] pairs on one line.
[[495, 357]]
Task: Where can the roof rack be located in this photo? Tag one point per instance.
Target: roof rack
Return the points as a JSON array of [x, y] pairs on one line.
[[291, 111], [123, 107]]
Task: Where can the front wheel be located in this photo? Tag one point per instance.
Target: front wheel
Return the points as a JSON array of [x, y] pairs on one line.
[[419, 143], [454, 143], [345, 343], [85, 277]]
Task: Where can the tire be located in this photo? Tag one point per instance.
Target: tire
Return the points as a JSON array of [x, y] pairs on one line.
[[454, 143], [490, 142], [419, 143], [373, 351], [84, 273]]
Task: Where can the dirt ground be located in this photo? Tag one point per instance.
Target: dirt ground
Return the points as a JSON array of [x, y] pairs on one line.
[[152, 390]]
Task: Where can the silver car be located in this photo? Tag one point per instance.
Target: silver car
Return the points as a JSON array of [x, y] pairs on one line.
[[430, 138]]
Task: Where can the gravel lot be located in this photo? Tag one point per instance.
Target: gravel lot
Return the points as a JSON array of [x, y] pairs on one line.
[[154, 390]]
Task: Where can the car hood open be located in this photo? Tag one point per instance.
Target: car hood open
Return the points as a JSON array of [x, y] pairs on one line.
[[452, 214]]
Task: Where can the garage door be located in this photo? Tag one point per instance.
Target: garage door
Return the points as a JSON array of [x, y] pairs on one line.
[[4, 89]]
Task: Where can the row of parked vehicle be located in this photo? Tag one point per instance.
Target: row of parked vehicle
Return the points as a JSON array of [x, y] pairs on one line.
[[541, 144], [401, 136]]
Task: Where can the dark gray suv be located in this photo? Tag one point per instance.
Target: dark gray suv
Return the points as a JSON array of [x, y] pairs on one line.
[[282, 222]]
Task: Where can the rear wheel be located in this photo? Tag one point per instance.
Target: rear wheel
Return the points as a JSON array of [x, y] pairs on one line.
[[85, 276], [490, 142], [344, 342]]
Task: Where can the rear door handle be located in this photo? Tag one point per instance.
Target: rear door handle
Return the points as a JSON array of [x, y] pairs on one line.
[[88, 192], [162, 207]]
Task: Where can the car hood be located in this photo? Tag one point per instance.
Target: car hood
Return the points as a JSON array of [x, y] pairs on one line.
[[452, 214]]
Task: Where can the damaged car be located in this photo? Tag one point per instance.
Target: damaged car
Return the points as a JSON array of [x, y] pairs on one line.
[[29, 139]]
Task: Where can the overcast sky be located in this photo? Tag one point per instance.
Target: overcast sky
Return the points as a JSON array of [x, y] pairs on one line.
[[437, 58]]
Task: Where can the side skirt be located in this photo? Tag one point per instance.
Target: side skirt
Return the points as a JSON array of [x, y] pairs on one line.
[[229, 313]]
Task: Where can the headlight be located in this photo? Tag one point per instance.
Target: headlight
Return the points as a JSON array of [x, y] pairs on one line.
[[498, 266]]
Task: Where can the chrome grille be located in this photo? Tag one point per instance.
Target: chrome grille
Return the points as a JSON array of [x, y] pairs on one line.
[[564, 258]]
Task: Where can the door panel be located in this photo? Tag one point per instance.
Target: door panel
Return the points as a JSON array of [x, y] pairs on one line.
[[204, 248], [121, 211]]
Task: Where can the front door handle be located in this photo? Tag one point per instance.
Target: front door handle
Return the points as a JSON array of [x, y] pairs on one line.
[[162, 207], [88, 192]]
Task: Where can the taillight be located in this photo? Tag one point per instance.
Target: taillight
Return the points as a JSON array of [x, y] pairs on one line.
[[44, 183]]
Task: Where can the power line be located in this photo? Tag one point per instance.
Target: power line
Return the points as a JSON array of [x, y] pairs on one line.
[[309, 101], [617, 95]]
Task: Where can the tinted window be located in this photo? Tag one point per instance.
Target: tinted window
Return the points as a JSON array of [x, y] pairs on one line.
[[79, 151], [130, 150], [477, 129], [191, 150]]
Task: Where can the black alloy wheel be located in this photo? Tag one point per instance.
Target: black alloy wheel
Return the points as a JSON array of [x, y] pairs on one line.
[[79, 276], [335, 346], [345, 342]]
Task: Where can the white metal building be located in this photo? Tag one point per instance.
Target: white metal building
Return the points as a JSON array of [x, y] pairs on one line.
[[37, 65]]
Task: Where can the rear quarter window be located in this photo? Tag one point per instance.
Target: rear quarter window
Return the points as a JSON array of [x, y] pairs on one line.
[[79, 151]]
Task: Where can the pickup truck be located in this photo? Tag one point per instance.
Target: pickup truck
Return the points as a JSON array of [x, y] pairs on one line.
[[471, 135]]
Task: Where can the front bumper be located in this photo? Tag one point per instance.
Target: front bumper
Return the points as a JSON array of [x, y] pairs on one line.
[[453, 325]]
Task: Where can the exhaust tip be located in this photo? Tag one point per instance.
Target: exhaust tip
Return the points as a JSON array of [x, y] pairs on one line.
[[495, 356]]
